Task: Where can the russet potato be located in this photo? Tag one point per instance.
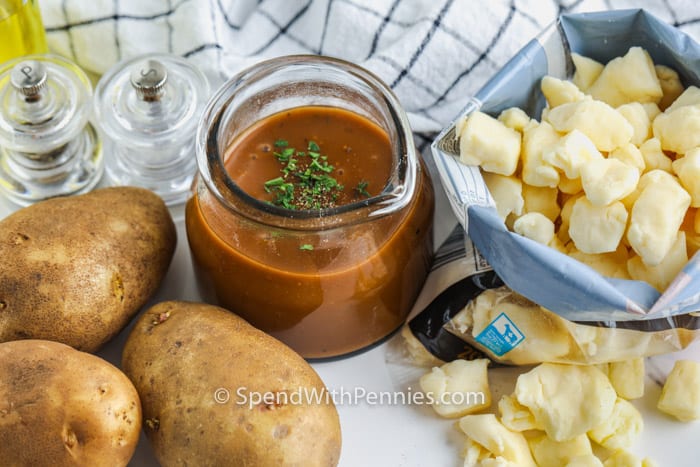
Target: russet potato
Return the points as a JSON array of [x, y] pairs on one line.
[[201, 372], [62, 407], [76, 269]]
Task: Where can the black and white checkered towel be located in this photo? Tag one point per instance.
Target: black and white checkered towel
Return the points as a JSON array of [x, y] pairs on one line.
[[433, 53]]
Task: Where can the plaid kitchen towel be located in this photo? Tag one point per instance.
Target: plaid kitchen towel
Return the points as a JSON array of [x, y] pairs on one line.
[[433, 53]]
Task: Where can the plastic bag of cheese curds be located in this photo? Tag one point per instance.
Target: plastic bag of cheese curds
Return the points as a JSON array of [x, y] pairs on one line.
[[552, 307], [465, 311]]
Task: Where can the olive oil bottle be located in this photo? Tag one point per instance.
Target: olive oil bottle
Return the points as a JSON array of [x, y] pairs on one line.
[[21, 29]]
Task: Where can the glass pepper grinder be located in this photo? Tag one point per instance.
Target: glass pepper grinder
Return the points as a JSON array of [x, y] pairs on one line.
[[47, 146], [148, 109]]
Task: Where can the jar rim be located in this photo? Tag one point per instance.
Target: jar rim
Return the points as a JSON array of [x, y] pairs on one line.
[[210, 160]]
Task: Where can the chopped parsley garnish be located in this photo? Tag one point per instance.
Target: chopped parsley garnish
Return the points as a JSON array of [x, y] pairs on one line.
[[306, 181], [306, 247], [361, 188]]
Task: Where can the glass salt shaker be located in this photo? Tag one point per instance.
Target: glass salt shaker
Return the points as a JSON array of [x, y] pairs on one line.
[[47, 146], [148, 108]]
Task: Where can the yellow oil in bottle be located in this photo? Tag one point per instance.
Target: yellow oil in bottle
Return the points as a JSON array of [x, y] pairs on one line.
[[21, 29]]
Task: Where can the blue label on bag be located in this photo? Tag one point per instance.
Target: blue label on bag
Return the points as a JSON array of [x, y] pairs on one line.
[[501, 336]]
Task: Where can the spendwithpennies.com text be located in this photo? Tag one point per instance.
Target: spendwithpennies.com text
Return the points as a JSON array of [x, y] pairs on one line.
[[342, 396]]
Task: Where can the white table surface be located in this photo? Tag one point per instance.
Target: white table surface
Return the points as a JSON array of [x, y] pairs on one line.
[[389, 435]]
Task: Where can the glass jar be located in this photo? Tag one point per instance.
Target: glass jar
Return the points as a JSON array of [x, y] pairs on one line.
[[366, 261]]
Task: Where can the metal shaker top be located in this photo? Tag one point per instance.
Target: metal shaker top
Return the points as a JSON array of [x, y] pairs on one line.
[[153, 100], [45, 101]]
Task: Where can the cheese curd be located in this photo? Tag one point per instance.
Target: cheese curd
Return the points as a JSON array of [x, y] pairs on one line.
[[550, 453], [458, 388], [535, 226], [587, 71], [541, 199], [600, 147], [587, 460], [597, 229], [689, 97], [558, 91], [514, 118], [622, 458], [565, 217], [671, 85], [627, 377], [488, 143], [656, 216], [473, 453], [573, 151], [630, 155], [687, 168], [637, 116], [654, 157], [630, 78], [680, 395], [570, 186], [661, 275], [621, 429], [499, 441], [608, 180], [679, 130], [604, 125], [568, 400], [538, 140], [557, 410], [507, 193], [516, 416]]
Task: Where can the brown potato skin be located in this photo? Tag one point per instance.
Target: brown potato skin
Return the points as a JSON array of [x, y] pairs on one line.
[[180, 353], [76, 269], [62, 407]]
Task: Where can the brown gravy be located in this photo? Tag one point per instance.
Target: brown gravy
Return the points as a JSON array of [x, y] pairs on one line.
[[326, 292], [358, 150]]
